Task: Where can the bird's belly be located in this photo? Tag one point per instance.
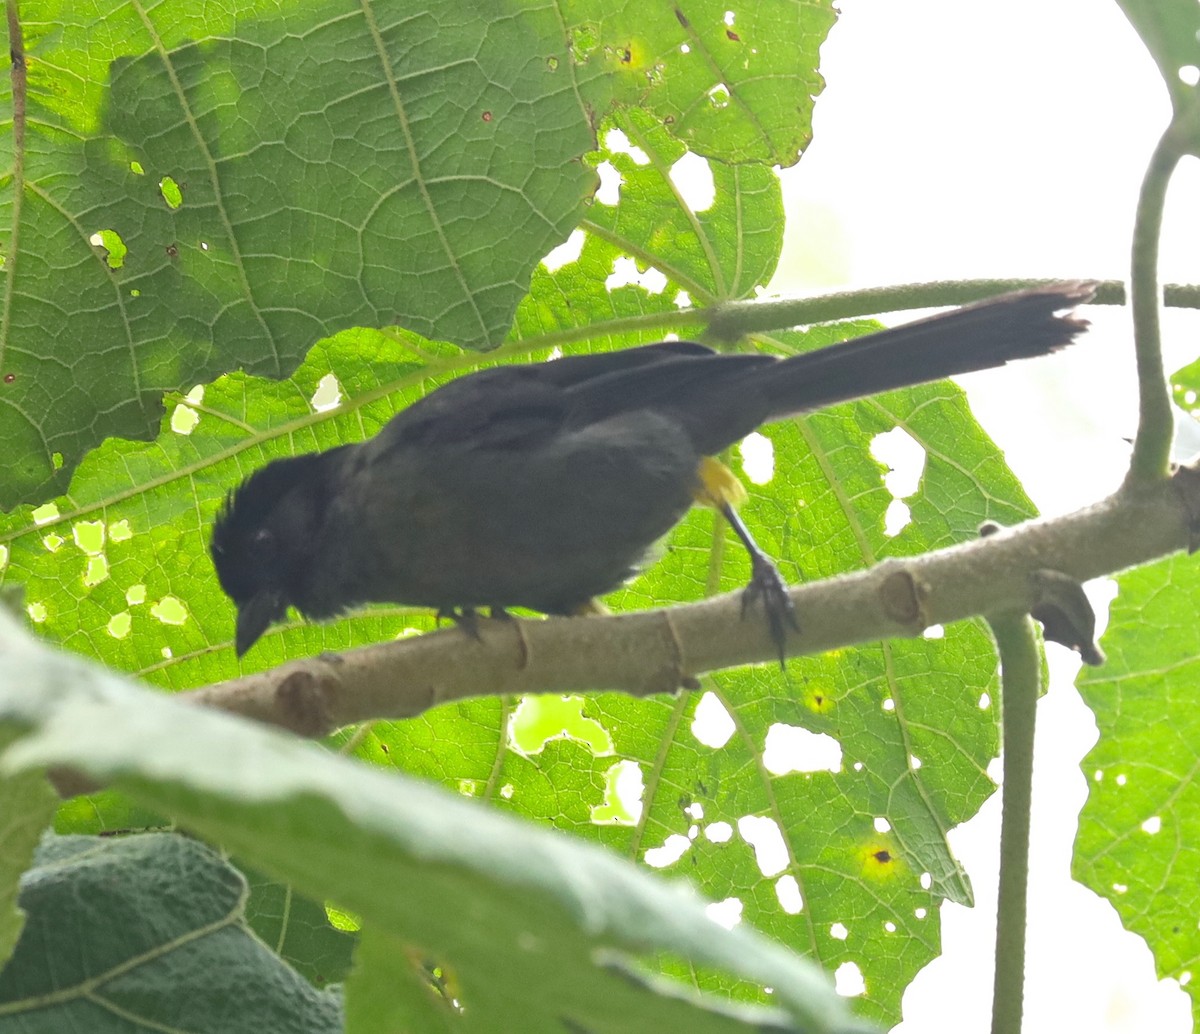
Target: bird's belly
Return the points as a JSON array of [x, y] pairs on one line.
[[547, 528]]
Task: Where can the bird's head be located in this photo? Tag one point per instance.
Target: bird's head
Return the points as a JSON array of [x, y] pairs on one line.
[[265, 540]]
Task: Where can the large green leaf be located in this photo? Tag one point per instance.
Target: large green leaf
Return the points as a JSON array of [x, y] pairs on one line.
[[26, 805], [198, 187], [528, 922], [1139, 833], [293, 172], [147, 933]]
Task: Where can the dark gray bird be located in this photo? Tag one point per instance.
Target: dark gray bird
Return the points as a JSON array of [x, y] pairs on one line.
[[542, 485]]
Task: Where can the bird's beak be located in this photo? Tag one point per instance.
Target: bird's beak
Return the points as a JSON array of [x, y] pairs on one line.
[[255, 617]]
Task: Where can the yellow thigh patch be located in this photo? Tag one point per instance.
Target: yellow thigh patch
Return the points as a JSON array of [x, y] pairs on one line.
[[717, 485]]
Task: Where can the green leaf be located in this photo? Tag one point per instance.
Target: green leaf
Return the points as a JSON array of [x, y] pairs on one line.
[[207, 187], [26, 805], [736, 84], [1140, 828], [147, 932], [287, 175], [1171, 31], [298, 930], [514, 909], [385, 965]]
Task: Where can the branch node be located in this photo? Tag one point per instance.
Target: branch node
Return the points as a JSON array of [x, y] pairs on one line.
[[903, 596], [672, 676], [303, 696]]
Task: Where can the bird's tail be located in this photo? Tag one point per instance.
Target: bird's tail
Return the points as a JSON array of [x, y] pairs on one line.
[[975, 337]]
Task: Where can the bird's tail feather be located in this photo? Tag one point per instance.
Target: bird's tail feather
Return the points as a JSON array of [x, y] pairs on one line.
[[975, 337]]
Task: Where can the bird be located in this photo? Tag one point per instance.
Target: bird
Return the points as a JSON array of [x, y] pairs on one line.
[[544, 485]]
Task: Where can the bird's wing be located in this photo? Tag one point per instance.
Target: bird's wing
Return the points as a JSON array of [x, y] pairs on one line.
[[518, 406]]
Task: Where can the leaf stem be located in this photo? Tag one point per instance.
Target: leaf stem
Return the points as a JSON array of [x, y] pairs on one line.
[[1020, 679], [1152, 444], [732, 320]]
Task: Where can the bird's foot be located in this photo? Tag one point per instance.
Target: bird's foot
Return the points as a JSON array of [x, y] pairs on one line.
[[766, 586], [466, 618]]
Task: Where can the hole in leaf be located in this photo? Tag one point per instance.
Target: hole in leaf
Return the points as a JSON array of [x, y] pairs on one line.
[[672, 849], [119, 625], [711, 724], [896, 518], [626, 273], [609, 191], [727, 913], [719, 96], [693, 179], [135, 594], [184, 419], [616, 142], [623, 790], [566, 253], [787, 890], [848, 980], [96, 572], [538, 720], [758, 458], [45, 513], [170, 191], [88, 535], [327, 395], [114, 247], [762, 833], [169, 611], [788, 748], [719, 832]]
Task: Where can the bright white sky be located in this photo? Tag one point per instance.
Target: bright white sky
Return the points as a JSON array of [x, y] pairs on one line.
[[971, 138]]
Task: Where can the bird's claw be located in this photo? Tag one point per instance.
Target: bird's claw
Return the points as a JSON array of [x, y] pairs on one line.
[[466, 618], [767, 586]]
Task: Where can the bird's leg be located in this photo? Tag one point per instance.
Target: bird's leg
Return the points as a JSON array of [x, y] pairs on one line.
[[721, 489], [766, 585]]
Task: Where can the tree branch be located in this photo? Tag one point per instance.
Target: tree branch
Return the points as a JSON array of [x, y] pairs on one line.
[[659, 651]]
